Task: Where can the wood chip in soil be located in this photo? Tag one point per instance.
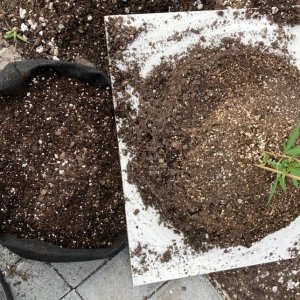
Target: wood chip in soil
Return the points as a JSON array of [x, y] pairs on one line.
[[59, 166]]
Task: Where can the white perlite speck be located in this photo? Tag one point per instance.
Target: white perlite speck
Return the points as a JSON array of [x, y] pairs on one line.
[[22, 12], [39, 49], [199, 4], [24, 27], [292, 284], [33, 25]]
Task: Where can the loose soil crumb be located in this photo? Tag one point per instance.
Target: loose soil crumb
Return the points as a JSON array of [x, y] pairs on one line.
[[166, 257], [59, 165], [138, 250], [276, 281], [203, 123], [136, 212]]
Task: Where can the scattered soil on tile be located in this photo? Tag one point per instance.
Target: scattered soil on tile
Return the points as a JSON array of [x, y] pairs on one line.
[[194, 144], [59, 166], [13, 271], [275, 281]]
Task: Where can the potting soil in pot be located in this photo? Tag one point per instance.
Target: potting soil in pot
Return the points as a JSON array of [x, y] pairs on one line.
[[203, 123], [59, 166]]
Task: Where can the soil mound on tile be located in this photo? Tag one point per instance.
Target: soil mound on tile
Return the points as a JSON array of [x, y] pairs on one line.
[[203, 122], [59, 166]]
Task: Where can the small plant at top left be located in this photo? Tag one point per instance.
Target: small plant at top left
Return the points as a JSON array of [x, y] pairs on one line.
[[14, 35]]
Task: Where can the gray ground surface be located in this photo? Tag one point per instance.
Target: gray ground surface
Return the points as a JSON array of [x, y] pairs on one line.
[[97, 280]]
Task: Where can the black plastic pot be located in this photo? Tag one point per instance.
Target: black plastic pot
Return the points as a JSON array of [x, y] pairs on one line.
[[15, 76], [5, 293], [13, 80], [42, 251]]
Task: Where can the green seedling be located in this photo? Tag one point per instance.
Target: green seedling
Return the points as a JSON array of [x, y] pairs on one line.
[[15, 36], [285, 165]]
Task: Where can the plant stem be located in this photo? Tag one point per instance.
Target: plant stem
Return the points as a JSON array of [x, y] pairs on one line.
[[282, 156], [276, 171]]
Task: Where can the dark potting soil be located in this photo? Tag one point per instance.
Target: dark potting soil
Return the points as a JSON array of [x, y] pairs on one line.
[[275, 281], [74, 29], [59, 166], [194, 144], [280, 11]]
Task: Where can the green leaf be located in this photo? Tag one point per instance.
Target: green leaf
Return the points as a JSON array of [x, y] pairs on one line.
[[286, 163], [8, 35], [282, 182], [273, 189], [295, 172], [294, 165], [292, 139], [13, 34], [294, 151], [276, 165], [22, 38], [295, 183]]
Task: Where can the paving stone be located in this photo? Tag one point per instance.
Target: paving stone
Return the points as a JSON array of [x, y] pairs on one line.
[[75, 273], [32, 280], [7, 55], [193, 288], [72, 296], [7, 258], [113, 281]]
